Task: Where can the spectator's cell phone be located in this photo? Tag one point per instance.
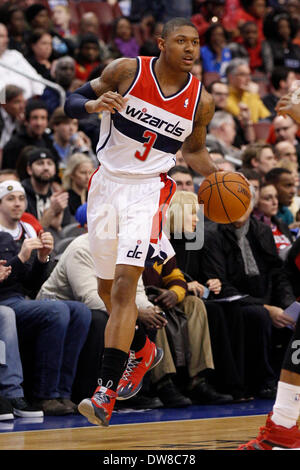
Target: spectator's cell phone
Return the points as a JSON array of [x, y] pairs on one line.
[[206, 293], [293, 311]]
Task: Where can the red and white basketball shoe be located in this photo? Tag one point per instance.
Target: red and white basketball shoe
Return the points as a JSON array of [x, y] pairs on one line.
[[274, 437], [99, 408], [138, 364]]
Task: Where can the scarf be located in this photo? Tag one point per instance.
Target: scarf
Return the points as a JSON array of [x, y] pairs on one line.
[[251, 268]]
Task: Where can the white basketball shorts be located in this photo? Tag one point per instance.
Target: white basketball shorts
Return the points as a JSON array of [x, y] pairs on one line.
[[125, 219]]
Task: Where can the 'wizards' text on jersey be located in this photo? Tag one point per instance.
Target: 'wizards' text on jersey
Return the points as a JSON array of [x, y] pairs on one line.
[[144, 137]]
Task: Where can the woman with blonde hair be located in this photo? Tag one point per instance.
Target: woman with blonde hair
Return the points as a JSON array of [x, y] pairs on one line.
[[76, 179]]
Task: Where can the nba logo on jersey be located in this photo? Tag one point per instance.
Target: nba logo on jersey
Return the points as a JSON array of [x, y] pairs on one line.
[[186, 103]]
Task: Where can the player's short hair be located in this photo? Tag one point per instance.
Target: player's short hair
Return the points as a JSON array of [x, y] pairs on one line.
[[174, 23]]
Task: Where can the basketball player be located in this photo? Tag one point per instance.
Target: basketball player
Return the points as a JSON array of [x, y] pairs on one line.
[[151, 108], [281, 430]]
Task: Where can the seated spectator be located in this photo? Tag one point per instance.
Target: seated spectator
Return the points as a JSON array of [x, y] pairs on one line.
[[266, 210], [74, 278], [89, 24], [123, 43], [259, 157], [12, 400], [8, 174], [239, 77], [183, 178], [37, 16], [56, 329], [182, 218], [76, 179], [48, 206], [248, 47], [244, 256], [63, 74], [280, 31], [14, 59], [171, 293], [215, 54], [222, 130], [286, 129], [284, 182], [293, 167], [66, 138], [11, 210], [40, 52], [285, 149], [12, 113], [33, 132], [61, 19], [88, 57], [281, 80], [245, 133], [13, 17]]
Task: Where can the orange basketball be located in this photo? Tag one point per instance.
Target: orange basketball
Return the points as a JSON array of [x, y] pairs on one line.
[[225, 196]]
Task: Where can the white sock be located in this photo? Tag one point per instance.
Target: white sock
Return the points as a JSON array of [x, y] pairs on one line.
[[287, 405]]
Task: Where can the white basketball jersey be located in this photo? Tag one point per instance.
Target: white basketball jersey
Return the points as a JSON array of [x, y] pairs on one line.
[[144, 137]]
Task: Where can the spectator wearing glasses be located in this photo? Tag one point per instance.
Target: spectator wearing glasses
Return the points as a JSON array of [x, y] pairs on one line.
[[239, 81]]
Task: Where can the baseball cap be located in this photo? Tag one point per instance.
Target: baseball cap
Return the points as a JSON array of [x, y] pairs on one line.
[[81, 215], [40, 153], [10, 186]]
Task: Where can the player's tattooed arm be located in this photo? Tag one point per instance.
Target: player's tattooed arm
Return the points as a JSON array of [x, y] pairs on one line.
[[114, 81], [194, 149]]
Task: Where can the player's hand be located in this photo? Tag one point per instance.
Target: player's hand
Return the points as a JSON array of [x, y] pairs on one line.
[[167, 299], [278, 317], [4, 270], [152, 317], [48, 244], [109, 101]]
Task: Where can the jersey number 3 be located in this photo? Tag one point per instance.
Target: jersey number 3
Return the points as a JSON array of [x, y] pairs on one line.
[[151, 136]]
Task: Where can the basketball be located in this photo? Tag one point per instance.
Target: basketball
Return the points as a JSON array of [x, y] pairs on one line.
[[225, 196]]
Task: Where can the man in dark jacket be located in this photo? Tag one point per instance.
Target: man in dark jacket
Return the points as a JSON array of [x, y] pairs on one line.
[[243, 256], [48, 206], [33, 133]]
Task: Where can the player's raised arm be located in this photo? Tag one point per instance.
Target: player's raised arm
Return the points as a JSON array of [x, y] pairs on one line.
[[194, 150], [103, 93]]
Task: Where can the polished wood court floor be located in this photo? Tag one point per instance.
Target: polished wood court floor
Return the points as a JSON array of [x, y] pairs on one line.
[[198, 434]]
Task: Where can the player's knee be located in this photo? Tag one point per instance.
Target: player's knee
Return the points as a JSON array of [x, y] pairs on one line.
[[124, 290]]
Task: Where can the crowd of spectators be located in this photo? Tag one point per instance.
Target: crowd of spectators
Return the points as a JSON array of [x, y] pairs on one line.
[[217, 310]]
